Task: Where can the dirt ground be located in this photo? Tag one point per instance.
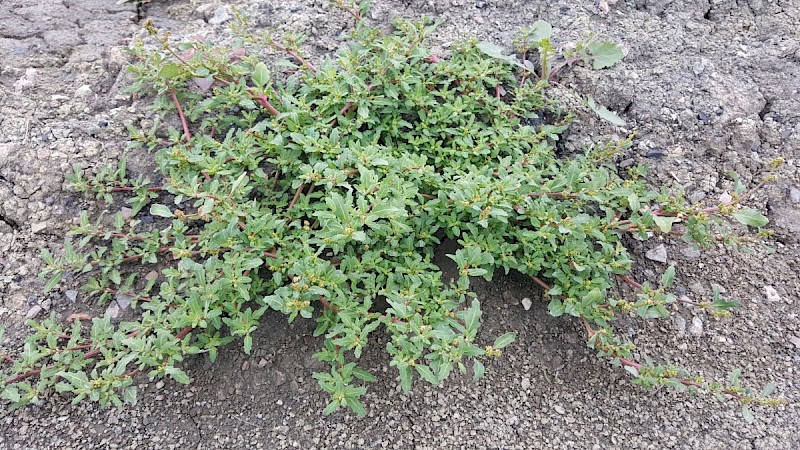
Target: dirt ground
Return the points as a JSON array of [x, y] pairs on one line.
[[710, 86]]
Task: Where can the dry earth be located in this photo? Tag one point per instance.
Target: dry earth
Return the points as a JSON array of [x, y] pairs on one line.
[[710, 85]]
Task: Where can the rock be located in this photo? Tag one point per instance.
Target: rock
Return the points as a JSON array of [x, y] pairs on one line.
[[47, 304], [705, 118], [795, 341], [127, 213], [71, 295], [160, 384], [691, 252], [221, 15], [27, 81], [794, 195], [37, 227], [83, 91], [656, 153], [33, 312], [680, 325], [658, 254], [16, 302], [525, 384], [772, 294], [526, 303], [697, 327], [245, 365], [560, 409]]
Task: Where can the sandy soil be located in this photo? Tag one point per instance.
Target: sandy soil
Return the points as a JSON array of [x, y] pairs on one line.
[[710, 86]]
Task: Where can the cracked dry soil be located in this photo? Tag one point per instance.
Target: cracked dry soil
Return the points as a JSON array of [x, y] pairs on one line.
[[710, 85]]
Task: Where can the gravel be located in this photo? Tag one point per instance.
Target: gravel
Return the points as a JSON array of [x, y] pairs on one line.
[[737, 65]]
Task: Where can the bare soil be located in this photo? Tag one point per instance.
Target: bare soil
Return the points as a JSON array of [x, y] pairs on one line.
[[709, 85]]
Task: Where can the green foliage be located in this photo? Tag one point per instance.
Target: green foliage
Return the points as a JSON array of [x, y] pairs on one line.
[[322, 191]]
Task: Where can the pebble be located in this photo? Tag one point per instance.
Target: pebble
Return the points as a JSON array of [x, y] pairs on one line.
[[221, 15], [705, 118], [657, 152], [772, 294], [160, 384], [794, 195], [696, 329], [526, 303], [26, 81], [658, 254], [525, 384], [480, 20], [83, 91], [795, 341], [691, 252], [246, 365], [37, 227], [71, 295], [560, 409], [680, 325], [33, 312], [16, 302]]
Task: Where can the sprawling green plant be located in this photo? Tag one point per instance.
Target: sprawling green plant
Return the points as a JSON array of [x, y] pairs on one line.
[[323, 190]]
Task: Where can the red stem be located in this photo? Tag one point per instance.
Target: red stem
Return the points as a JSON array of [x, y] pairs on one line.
[[182, 116], [297, 195]]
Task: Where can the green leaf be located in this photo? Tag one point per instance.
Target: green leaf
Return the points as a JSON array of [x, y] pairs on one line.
[[747, 414], [504, 340], [669, 276], [129, 395], [768, 390], [178, 375], [427, 374], [170, 70], [478, 370], [539, 31], [664, 223], [160, 210], [260, 75], [556, 307], [363, 375], [605, 54], [604, 113], [356, 406], [750, 217]]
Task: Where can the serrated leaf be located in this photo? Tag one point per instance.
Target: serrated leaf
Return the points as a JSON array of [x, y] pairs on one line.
[[750, 217], [604, 113], [160, 210], [605, 54], [504, 340]]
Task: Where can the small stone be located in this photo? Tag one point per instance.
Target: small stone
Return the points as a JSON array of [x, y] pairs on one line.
[[26, 81], [127, 213], [47, 304], [480, 20], [37, 227], [83, 91], [680, 325], [33, 312], [160, 384], [656, 153], [245, 365], [697, 326], [526, 303], [525, 384], [159, 398], [698, 68], [71, 295], [480, 4], [691, 252], [725, 198], [794, 195], [262, 363], [658, 254], [705, 118], [279, 402], [221, 15], [697, 196], [16, 302], [795, 341], [560, 409], [772, 294], [152, 275], [626, 163]]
